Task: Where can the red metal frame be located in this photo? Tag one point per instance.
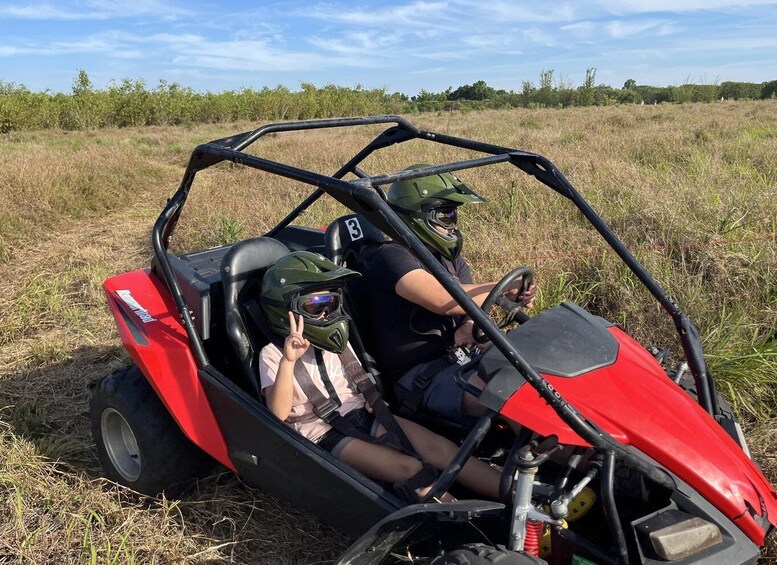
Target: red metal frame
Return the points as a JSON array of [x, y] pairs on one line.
[[165, 358]]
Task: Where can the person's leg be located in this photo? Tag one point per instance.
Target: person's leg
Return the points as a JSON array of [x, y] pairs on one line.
[[439, 451], [470, 405], [382, 463]]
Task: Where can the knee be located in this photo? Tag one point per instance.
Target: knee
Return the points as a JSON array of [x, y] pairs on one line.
[[408, 467]]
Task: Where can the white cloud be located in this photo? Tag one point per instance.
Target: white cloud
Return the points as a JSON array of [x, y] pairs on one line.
[[539, 36], [640, 6], [618, 29], [429, 70], [489, 41], [93, 10], [505, 11], [358, 43], [414, 14]]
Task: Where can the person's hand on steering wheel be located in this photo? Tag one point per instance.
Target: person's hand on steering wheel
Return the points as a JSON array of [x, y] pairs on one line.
[[514, 293]]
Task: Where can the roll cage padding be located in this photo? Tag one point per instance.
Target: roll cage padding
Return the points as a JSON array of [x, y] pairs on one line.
[[246, 262]]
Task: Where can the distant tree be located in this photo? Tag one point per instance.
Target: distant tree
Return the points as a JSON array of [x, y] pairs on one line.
[[629, 96], [565, 92], [545, 96], [705, 92], [78, 111], [769, 90], [476, 91], [629, 84], [654, 94], [586, 92], [527, 92], [82, 84], [740, 90], [505, 99], [429, 101], [605, 95]]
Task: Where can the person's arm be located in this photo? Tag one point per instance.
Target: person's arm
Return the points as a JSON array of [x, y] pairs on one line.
[[415, 284], [420, 287], [280, 394]]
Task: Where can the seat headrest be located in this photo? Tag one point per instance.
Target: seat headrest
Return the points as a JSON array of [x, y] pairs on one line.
[[247, 259], [346, 235]]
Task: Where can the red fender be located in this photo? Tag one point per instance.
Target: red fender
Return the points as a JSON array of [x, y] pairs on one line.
[[151, 331], [635, 402]]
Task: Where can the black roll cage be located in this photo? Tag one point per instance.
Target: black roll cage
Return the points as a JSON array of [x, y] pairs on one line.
[[363, 195]]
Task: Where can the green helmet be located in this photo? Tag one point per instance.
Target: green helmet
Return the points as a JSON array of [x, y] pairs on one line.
[[428, 201], [295, 283]]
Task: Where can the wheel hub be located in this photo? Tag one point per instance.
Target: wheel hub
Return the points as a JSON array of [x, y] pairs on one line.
[[120, 444]]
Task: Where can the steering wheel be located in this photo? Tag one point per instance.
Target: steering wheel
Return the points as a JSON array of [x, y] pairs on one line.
[[512, 310]]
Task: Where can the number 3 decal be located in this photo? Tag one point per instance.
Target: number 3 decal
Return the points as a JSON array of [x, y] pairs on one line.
[[354, 228]]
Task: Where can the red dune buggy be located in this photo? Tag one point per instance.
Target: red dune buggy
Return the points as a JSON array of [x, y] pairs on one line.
[[621, 460]]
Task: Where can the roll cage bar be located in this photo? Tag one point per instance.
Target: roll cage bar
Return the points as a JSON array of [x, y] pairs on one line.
[[364, 195]]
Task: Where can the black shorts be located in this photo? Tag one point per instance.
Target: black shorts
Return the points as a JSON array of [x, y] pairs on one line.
[[334, 441], [442, 397]]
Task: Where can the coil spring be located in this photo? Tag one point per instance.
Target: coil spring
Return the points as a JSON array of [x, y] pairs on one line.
[[531, 545]]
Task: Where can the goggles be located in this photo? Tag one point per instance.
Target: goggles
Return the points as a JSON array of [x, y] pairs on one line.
[[315, 306], [443, 217]]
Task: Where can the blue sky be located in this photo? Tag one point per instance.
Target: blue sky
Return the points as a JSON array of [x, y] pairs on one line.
[[402, 45]]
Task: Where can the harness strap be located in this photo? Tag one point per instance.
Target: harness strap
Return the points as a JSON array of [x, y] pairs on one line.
[[326, 407], [330, 388], [407, 489], [354, 371]]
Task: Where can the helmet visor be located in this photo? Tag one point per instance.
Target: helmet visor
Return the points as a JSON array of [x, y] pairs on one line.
[[317, 306], [443, 217]]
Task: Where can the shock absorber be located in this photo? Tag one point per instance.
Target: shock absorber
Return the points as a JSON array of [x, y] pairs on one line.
[[524, 481], [528, 522], [531, 544]]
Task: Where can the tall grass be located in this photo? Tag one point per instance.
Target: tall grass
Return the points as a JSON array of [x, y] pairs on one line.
[[692, 191]]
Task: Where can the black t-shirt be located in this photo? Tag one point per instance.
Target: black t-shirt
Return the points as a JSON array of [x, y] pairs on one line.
[[400, 333]]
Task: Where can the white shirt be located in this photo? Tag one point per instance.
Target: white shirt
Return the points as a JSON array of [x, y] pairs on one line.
[[302, 418]]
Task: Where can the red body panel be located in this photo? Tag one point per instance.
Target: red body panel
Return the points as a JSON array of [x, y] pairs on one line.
[[637, 404], [159, 345]]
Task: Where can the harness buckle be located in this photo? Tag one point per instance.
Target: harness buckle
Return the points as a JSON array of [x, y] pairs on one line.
[[328, 410]]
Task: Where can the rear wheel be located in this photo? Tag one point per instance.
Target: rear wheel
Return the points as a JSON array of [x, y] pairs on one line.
[[481, 554], [138, 443]]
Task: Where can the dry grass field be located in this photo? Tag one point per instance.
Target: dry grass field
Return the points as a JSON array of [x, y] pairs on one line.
[[692, 190]]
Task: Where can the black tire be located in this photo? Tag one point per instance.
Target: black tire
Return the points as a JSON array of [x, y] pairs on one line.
[[138, 443], [481, 554]]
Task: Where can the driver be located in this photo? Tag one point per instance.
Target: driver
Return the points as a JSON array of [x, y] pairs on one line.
[[413, 320]]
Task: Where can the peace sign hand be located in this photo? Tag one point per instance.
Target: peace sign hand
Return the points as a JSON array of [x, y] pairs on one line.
[[295, 345]]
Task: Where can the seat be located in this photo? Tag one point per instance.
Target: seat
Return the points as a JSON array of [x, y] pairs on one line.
[[348, 241], [346, 238], [242, 270]]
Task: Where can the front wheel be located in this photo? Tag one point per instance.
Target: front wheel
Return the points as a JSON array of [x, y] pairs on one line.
[[481, 554], [138, 443]]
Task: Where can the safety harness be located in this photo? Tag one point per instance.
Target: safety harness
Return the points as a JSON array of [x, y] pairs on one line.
[[326, 406]]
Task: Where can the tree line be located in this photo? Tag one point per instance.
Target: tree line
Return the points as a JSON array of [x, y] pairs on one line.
[[131, 103]]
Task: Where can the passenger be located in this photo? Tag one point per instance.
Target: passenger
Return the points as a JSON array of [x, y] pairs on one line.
[[302, 300], [417, 320]]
